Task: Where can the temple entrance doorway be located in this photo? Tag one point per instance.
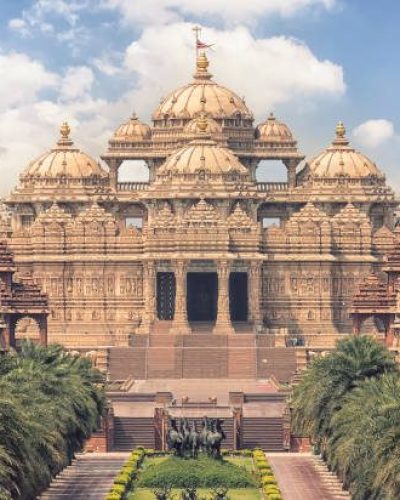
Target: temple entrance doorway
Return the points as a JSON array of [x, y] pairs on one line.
[[238, 299], [202, 296], [165, 295]]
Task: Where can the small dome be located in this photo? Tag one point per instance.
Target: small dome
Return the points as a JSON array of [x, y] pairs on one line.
[[202, 95], [64, 160], [202, 154], [274, 131], [133, 130], [340, 160]]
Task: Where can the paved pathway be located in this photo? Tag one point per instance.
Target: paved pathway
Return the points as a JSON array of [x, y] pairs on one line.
[[89, 477], [302, 476]]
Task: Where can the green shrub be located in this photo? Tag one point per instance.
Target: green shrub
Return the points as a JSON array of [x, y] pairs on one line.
[[114, 496], [268, 480], [118, 488], [203, 472]]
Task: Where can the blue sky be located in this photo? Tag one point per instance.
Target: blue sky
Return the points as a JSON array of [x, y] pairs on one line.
[[313, 62]]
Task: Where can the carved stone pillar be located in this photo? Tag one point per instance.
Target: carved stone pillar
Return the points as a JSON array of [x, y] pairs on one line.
[[42, 322], [114, 165], [180, 324], [223, 325], [291, 171], [149, 294], [254, 295]]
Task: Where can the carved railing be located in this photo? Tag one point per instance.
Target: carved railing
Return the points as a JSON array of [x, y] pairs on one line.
[[272, 186], [132, 186]]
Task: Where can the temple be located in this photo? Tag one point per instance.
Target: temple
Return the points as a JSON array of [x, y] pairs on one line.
[[202, 289], [202, 246]]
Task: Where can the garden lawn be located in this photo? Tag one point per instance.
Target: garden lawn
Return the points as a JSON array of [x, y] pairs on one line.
[[234, 494], [204, 472], [241, 461]]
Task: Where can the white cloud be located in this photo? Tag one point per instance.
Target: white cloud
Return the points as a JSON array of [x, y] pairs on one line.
[[77, 82], [373, 133], [59, 18], [267, 71], [21, 79], [228, 12]]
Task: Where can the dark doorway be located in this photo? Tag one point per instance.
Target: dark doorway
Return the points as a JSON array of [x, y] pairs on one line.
[[165, 296], [202, 296], [238, 296]]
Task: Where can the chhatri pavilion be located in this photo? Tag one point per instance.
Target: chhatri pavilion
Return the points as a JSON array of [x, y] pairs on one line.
[[192, 251]]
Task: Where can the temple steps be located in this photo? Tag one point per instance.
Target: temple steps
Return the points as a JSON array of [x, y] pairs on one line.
[[130, 432], [197, 356], [88, 477], [262, 432]]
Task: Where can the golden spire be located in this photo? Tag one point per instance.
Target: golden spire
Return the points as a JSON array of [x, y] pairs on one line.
[[65, 130], [340, 130], [340, 139], [65, 140], [202, 64]]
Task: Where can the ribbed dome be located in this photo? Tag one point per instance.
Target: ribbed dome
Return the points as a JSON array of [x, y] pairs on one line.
[[202, 95], [340, 160], [273, 130], [64, 161], [202, 154], [133, 130]]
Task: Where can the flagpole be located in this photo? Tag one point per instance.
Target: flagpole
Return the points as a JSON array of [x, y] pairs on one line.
[[197, 30]]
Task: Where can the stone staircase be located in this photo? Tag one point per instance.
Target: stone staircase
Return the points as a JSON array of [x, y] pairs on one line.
[[262, 432], [279, 362], [90, 476], [130, 432], [241, 356], [330, 479]]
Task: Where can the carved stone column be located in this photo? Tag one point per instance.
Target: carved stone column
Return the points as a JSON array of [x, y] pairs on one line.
[[42, 322], [149, 294], [291, 171], [180, 325], [223, 326], [114, 165], [254, 295]]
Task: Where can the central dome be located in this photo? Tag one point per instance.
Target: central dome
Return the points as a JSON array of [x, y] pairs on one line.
[[203, 95]]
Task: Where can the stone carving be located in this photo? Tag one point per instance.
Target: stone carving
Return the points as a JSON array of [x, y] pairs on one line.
[[184, 439]]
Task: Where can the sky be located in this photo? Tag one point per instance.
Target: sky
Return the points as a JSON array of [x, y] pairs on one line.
[[94, 62]]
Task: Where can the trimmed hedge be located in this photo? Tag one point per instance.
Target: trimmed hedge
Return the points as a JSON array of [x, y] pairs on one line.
[[269, 483]]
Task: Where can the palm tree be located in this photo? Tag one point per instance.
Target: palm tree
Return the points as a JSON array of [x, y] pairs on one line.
[[320, 394], [365, 442], [50, 403]]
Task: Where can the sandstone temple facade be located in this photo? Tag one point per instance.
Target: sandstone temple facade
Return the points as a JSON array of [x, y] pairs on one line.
[[192, 250]]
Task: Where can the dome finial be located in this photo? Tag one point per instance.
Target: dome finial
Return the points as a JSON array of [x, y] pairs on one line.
[[340, 139], [202, 123], [65, 140], [340, 130], [65, 130], [202, 64]]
